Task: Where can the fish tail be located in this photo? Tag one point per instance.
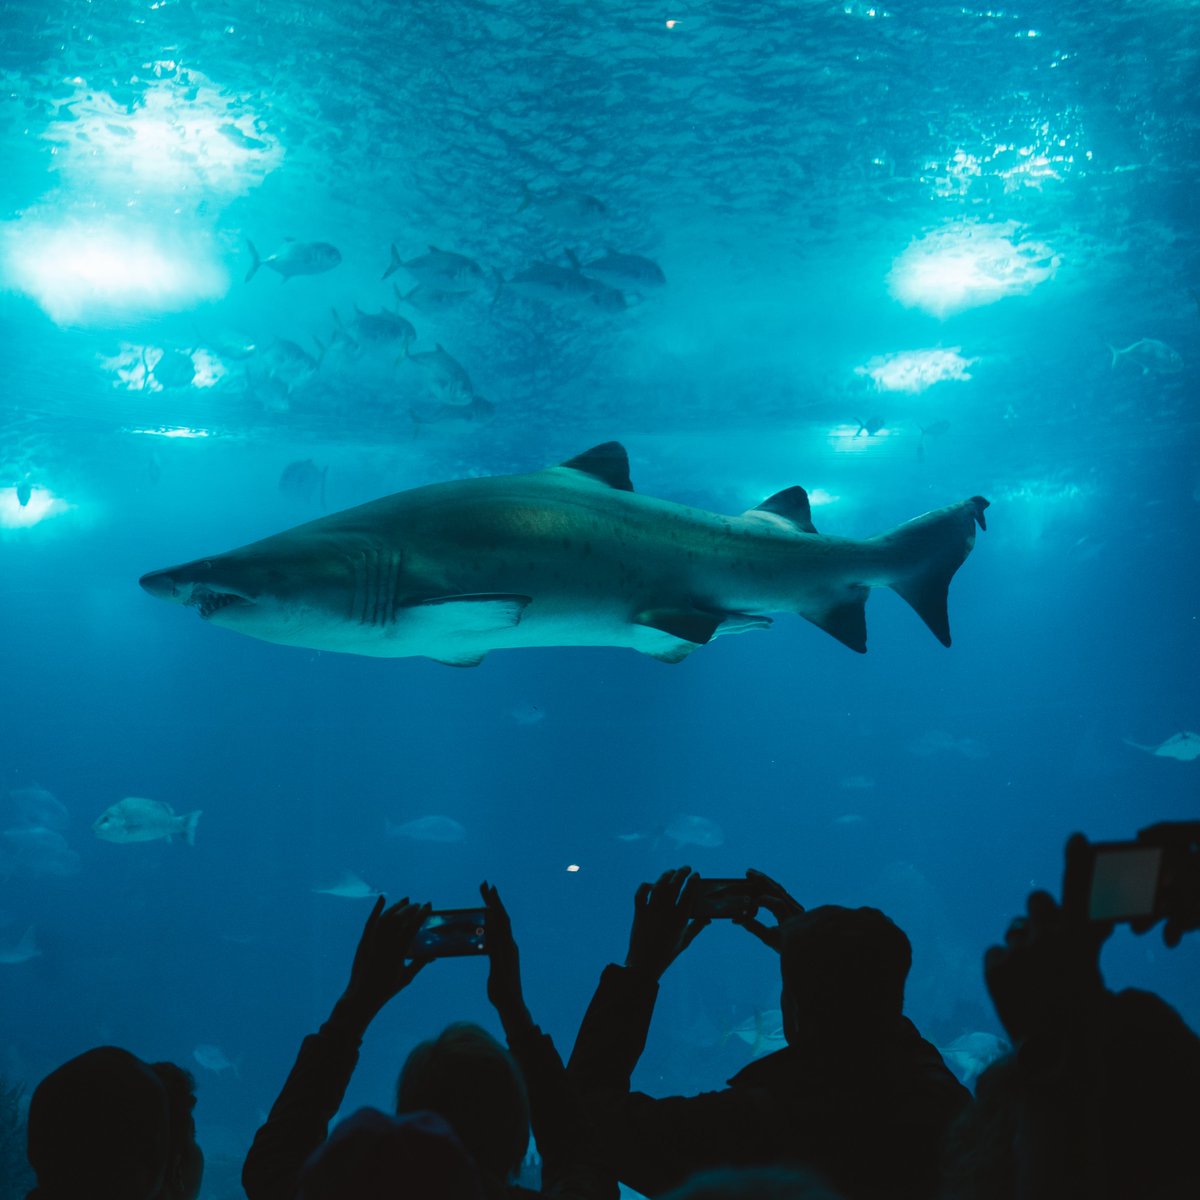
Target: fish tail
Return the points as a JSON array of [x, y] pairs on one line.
[[572, 258], [499, 286], [394, 264], [526, 197], [321, 349], [925, 553], [255, 263], [189, 828], [1115, 355]]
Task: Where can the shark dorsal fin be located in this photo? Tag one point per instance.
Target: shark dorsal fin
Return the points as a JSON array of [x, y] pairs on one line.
[[606, 463], [792, 505]]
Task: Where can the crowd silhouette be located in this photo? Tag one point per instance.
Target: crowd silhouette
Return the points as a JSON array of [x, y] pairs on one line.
[[1099, 1097]]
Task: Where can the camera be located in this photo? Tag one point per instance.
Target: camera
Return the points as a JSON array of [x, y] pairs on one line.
[[724, 898], [449, 933], [1154, 876]]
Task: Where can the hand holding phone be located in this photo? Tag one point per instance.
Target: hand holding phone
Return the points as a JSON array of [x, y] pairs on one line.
[[450, 933]]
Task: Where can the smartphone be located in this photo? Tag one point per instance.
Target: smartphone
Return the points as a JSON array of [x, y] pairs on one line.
[[1117, 881], [451, 932], [724, 898]]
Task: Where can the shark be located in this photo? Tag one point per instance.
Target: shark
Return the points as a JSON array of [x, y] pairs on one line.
[[566, 556]]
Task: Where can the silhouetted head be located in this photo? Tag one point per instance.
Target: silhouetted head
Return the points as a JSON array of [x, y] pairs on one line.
[[466, 1076], [372, 1156], [185, 1159], [843, 973], [99, 1129], [754, 1183]]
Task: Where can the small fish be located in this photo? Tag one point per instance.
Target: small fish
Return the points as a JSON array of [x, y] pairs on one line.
[[348, 887], [213, 1058], [934, 430], [565, 287], [871, 426], [626, 271], [34, 807], [856, 783], [477, 410], [1184, 746], [432, 301], [296, 258], [136, 819], [304, 481], [428, 829], [441, 270], [24, 492], [527, 714], [25, 949], [688, 830], [1151, 356], [564, 206], [382, 328], [970, 1054], [35, 852], [847, 819], [763, 1032], [288, 361], [443, 373]]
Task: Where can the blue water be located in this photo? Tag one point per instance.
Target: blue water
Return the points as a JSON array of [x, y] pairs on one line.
[[998, 195]]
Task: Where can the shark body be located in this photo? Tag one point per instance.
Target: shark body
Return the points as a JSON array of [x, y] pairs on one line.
[[569, 556]]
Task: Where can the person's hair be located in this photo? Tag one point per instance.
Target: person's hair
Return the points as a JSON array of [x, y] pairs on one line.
[[183, 1169], [845, 966], [754, 1183], [466, 1076], [99, 1128]]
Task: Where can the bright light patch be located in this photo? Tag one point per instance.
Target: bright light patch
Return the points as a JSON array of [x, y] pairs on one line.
[[819, 498], [573, 868], [173, 431], [967, 265], [41, 505], [914, 371], [180, 131], [135, 368], [853, 439], [80, 273]]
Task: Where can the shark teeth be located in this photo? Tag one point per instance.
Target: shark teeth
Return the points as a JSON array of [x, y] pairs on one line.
[[209, 602]]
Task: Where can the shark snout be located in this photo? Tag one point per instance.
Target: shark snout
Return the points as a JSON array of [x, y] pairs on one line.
[[162, 584]]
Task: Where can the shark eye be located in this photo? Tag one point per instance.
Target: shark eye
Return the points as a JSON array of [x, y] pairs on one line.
[[207, 564]]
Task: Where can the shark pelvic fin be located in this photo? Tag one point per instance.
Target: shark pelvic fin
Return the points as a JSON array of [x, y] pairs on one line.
[[687, 628], [846, 621], [606, 463], [791, 504]]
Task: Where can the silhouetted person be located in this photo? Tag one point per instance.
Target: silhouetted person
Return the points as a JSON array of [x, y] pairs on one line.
[[99, 1129], [856, 1095], [372, 1156], [185, 1159], [1106, 1094], [465, 1075], [754, 1183]]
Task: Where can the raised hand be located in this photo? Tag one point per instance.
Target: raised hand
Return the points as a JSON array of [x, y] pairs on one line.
[[504, 977], [662, 928], [380, 971], [775, 898]]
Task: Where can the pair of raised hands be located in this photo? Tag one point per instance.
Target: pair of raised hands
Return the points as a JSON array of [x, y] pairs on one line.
[[664, 925], [381, 969]]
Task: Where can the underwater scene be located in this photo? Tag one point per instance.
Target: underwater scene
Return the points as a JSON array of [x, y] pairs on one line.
[[265, 262]]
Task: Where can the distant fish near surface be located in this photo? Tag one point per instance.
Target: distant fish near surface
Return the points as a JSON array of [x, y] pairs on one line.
[[444, 375], [35, 852], [527, 714], [295, 258], [627, 272], [441, 270], [565, 287], [303, 480], [1184, 746], [763, 1032], [1151, 356], [213, 1058], [384, 328], [348, 886], [569, 556], [22, 951], [136, 819], [938, 741], [34, 806], [428, 829], [433, 301], [871, 426], [564, 206], [24, 492]]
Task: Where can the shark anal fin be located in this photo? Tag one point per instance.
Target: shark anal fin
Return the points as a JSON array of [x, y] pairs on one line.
[[606, 463], [483, 612], [846, 621], [792, 505]]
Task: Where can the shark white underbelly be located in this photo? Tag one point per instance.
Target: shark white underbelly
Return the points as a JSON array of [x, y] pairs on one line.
[[569, 556]]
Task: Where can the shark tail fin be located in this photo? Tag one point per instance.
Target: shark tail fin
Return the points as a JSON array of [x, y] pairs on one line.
[[394, 264], [255, 263], [189, 829], [925, 553]]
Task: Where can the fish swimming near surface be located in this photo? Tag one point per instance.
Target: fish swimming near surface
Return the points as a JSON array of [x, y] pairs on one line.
[[1151, 356], [304, 481], [348, 886], [564, 206], [428, 829], [871, 426], [383, 328], [440, 270], [569, 556], [295, 258], [21, 951], [763, 1032], [629, 272], [136, 819], [24, 492], [564, 287], [213, 1058], [1184, 746], [444, 375]]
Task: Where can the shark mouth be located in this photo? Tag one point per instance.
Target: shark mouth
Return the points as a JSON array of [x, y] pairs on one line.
[[209, 601]]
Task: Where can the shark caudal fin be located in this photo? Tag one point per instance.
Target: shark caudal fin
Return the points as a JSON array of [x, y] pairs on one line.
[[256, 262], [925, 553]]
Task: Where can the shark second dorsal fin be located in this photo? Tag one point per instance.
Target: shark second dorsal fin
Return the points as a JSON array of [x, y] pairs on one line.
[[792, 505], [606, 463]]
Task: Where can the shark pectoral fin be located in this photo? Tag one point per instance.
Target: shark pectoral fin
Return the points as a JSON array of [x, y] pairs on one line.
[[484, 612], [846, 621]]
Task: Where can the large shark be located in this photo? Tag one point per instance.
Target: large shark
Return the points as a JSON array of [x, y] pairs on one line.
[[569, 556]]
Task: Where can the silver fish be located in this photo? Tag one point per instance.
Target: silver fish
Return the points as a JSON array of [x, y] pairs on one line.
[[136, 819], [295, 258], [441, 270]]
